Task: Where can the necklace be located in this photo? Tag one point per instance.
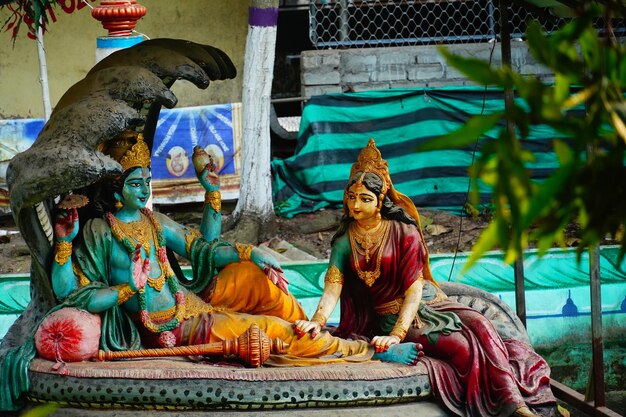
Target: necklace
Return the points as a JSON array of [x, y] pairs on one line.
[[373, 241], [143, 231], [369, 240], [123, 235]]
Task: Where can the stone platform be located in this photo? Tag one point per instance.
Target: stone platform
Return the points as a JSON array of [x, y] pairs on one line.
[[178, 385]]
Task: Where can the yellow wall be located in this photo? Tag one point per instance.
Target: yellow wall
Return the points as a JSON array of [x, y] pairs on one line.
[[71, 41]]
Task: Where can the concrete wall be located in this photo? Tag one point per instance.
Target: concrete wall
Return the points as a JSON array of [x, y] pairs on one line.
[[334, 71], [71, 41]]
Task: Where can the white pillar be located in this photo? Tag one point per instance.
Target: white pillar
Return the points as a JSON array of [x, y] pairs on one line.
[[106, 45], [255, 195]]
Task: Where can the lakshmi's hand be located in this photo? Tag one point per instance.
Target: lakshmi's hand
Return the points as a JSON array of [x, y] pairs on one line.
[[272, 269], [382, 343], [209, 178], [139, 270], [66, 225], [302, 327]]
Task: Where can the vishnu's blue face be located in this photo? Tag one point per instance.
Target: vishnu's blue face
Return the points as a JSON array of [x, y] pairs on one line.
[[136, 190]]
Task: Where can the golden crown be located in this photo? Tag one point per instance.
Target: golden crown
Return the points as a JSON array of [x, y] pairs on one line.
[[371, 160], [129, 149]]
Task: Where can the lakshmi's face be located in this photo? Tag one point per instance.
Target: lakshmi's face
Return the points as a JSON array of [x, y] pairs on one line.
[[362, 203], [136, 189]]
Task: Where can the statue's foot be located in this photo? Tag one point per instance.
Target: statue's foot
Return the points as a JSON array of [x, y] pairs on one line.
[[524, 411], [406, 353]]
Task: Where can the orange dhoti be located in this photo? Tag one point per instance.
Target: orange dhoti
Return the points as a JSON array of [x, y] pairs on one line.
[[242, 295], [243, 287]]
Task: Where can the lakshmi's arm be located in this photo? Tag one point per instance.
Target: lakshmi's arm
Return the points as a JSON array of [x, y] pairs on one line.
[[333, 284], [410, 305]]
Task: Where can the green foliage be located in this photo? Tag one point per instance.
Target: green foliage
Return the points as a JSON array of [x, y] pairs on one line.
[[589, 186], [41, 410]]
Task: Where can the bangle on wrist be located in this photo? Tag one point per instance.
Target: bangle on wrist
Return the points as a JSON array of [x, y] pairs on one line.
[[400, 333], [124, 293], [244, 251], [62, 251], [319, 318], [214, 199]]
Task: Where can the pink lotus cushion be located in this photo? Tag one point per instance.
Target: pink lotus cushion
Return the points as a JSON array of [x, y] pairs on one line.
[[68, 335]]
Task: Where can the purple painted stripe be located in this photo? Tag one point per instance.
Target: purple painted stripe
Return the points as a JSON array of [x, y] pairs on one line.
[[263, 17]]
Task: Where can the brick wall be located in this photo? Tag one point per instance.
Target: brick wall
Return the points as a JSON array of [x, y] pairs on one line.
[[334, 71]]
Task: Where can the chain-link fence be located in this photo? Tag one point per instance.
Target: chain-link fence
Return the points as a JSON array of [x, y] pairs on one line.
[[362, 23]]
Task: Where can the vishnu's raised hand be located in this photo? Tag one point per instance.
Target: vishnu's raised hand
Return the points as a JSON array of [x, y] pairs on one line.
[[66, 225]]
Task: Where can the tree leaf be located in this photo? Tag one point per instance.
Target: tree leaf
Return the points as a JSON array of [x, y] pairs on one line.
[[580, 97], [590, 49], [41, 410], [487, 240], [466, 135], [619, 125], [476, 69]]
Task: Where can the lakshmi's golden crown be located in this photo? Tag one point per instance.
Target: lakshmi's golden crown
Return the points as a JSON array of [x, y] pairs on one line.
[[370, 160], [129, 149]]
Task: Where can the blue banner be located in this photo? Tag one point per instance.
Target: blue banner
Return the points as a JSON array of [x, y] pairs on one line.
[[217, 128], [179, 130]]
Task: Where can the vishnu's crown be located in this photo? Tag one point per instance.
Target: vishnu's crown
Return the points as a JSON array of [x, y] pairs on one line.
[[129, 149], [370, 160]]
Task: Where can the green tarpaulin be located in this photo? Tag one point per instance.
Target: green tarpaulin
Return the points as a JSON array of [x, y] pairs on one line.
[[334, 128]]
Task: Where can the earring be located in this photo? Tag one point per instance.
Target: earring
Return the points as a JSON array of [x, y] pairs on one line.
[[378, 216], [118, 205]]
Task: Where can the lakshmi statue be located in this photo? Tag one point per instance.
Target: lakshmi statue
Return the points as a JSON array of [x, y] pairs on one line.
[[379, 269], [121, 263]]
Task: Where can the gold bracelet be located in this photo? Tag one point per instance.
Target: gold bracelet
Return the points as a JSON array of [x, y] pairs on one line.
[[319, 318], [124, 293], [62, 251], [82, 278], [333, 276], [214, 199], [401, 333], [190, 236], [244, 251]]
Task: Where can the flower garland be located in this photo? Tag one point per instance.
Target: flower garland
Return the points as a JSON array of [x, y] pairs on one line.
[[172, 282]]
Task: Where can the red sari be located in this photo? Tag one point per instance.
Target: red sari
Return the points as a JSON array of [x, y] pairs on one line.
[[472, 370]]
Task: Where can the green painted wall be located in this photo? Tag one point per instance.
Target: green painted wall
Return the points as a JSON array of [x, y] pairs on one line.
[[71, 41]]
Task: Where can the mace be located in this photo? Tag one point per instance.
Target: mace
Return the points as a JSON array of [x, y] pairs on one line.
[[253, 347]]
